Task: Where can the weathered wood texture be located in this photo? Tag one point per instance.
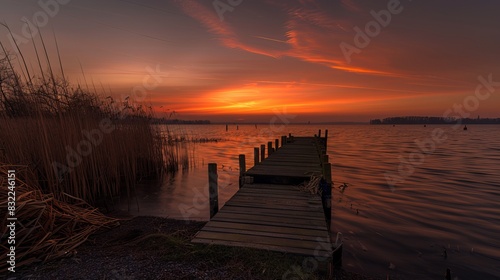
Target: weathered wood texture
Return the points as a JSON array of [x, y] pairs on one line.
[[276, 217], [271, 217], [293, 163]]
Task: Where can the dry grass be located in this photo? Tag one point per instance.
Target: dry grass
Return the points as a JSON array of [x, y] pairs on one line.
[[52, 146], [46, 125], [46, 228], [70, 146]]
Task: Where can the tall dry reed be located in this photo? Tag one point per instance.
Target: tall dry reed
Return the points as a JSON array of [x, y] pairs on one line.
[[57, 130]]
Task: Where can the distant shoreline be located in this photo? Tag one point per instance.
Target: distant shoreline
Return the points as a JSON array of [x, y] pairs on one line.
[[434, 120]]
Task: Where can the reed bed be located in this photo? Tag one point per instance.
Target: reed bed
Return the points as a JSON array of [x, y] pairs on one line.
[[57, 130], [72, 148], [47, 228], [65, 160]]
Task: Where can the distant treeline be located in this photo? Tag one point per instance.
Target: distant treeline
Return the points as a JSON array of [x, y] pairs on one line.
[[177, 121], [433, 120]]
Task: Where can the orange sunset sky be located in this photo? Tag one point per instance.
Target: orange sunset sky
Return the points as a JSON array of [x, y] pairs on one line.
[[259, 57]]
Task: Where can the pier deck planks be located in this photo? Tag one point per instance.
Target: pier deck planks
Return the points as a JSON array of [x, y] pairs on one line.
[[276, 217]]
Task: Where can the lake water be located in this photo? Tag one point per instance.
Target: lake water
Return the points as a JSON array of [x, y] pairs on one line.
[[413, 192]]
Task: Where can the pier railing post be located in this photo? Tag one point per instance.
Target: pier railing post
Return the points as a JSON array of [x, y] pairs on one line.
[[262, 152], [243, 167], [213, 189], [255, 156], [283, 140], [269, 148], [319, 133], [276, 144]]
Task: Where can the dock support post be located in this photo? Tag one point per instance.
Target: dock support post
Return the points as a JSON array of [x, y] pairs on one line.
[[326, 139], [269, 148], [319, 133], [262, 152], [326, 194], [276, 144], [283, 140], [241, 159], [213, 189], [324, 159], [255, 156], [337, 251]]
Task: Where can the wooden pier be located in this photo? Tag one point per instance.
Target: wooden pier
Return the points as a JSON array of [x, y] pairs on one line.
[[271, 211]]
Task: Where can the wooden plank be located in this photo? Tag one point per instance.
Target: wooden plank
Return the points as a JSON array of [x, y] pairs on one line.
[[273, 201], [299, 251], [312, 215], [246, 238], [265, 195], [275, 206], [253, 232], [280, 192], [271, 221], [265, 228]]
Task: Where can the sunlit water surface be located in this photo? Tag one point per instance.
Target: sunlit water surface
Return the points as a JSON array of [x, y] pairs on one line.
[[445, 199]]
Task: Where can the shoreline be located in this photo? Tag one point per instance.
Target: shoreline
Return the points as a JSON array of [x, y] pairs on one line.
[[146, 247]]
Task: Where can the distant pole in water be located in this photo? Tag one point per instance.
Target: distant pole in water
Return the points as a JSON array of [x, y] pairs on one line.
[[465, 127], [237, 127], [226, 127]]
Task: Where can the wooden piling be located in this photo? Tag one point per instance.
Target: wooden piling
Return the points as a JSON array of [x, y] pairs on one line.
[[269, 148], [319, 133], [447, 276], [262, 152], [326, 139], [324, 159], [213, 189], [276, 144], [283, 140], [326, 194], [255, 156], [327, 172], [241, 159]]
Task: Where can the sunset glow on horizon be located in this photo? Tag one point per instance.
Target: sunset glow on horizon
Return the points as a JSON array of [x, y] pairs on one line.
[[258, 57]]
